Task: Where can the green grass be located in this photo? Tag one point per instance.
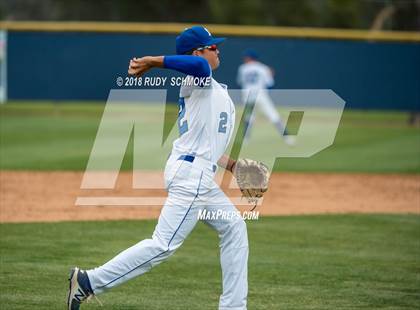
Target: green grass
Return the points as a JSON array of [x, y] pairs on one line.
[[296, 262], [46, 136]]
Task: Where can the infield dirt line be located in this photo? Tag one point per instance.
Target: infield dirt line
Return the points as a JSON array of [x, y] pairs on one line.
[[30, 196]]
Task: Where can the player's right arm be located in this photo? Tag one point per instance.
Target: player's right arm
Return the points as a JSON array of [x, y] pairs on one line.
[[226, 162], [188, 64]]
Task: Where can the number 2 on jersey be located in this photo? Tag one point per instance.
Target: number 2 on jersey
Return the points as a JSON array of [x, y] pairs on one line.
[[182, 122], [223, 122], [183, 125]]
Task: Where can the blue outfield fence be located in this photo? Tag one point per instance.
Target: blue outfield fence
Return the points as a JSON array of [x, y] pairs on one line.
[[74, 65]]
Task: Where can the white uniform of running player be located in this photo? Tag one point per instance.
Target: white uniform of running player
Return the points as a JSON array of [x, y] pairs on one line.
[[255, 77], [206, 122]]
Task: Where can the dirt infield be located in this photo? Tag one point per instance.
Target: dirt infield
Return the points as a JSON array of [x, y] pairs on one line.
[[51, 196]]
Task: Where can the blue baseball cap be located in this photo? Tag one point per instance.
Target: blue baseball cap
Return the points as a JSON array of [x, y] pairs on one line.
[[194, 37], [250, 53]]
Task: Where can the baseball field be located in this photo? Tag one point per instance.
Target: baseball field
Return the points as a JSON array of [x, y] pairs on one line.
[[339, 230]]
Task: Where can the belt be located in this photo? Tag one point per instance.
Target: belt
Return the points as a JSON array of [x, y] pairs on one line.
[[191, 158]]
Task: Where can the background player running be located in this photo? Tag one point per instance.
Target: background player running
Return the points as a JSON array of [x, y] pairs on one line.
[[255, 77], [205, 122]]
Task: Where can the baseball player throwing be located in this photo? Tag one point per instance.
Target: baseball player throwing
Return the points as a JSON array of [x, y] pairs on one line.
[[205, 122], [255, 77]]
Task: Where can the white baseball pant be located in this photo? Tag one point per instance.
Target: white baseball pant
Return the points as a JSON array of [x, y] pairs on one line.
[[191, 188]]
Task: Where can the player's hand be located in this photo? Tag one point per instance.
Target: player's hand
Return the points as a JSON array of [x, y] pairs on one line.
[[138, 66]]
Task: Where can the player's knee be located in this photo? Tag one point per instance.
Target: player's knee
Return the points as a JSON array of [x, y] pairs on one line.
[[165, 246], [160, 244]]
